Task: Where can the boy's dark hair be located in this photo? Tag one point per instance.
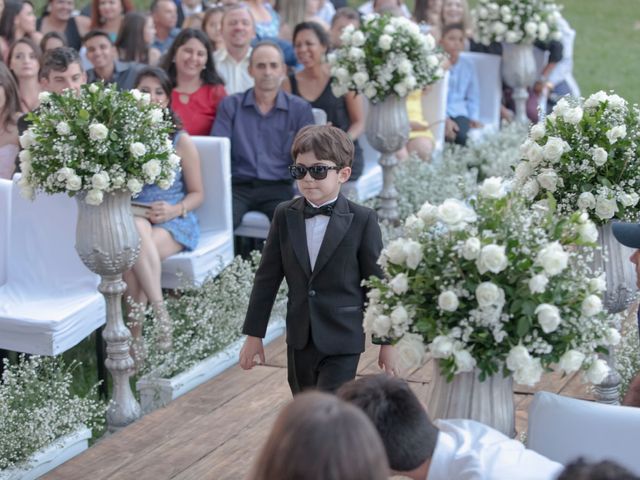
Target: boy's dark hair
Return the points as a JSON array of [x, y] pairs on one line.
[[346, 12], [96, 33], [605, 470], [326, 143], [452, 26], [58, 60], [408, 435]]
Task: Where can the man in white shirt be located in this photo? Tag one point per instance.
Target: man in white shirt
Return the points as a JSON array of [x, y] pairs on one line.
[[445, 449], [232, 61]]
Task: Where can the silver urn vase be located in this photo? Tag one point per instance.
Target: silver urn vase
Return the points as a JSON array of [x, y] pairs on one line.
[[519, 71], [387, 130], [107, 241], [489, 402]]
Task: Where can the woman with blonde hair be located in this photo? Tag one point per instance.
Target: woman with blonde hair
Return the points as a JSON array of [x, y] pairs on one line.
[[9, 114]]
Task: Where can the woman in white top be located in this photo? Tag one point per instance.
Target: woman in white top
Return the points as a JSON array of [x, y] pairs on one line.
[[9, 113]]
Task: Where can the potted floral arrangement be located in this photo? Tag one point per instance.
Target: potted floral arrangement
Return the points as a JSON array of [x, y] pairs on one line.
[[494, 290], [102, 146], [42, 423]]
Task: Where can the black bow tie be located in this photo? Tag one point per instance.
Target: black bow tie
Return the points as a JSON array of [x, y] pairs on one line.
[[310, 211]]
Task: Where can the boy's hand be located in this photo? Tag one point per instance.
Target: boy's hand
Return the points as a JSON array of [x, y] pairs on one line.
[[252, 347], [388, 360]]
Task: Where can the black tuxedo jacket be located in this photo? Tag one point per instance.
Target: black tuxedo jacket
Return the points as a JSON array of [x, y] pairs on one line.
[[324, 305]]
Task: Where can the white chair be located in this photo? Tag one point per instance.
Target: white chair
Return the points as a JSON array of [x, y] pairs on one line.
[[434, 111], [215, 248], [5, 224], [50, 300], [319, 116], [487, 68], [563, 429], [254, 225]]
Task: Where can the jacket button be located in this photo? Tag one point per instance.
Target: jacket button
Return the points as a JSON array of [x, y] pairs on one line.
[[312, 293]]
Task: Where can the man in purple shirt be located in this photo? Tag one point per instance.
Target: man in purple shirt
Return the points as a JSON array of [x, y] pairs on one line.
[[261, 124]]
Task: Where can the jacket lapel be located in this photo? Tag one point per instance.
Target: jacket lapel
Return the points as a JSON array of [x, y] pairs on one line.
[[337, 228], [298, 234]]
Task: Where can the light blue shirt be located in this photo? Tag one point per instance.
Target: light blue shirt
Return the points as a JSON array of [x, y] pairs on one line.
[[463, 99]]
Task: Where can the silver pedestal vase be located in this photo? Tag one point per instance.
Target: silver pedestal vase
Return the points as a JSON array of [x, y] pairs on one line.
[[519, 71], [387, 130], [613, 259], [107, 241], [489, 402]]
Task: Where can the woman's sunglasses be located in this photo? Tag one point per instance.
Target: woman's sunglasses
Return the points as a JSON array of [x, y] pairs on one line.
[[318, 172]]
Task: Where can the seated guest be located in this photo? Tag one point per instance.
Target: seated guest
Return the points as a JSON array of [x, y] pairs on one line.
[[197, 87], [165, 19], [134, 39], [170, 225], [232, 60], [319, 437], [313, 83], [293, 12], [193, 21], [267, 20], [323, 9], [420, 137], [106, 66], [604, 470], [17, 21], [24, 62], [52, 40], [261, 124], [212, 25], [463, 98], [343, 17], [374, 6], [189, 8], [9, 114], [443, 450], [426, 13], [107, 15], [58, 18]]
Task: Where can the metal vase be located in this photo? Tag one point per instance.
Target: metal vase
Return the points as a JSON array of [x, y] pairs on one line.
[[107, 241], [387, 130], [489, 402], [519, 71]]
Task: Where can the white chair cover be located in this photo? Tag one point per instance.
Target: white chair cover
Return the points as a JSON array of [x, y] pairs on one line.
[[50, 301], [5, 223], [319, 116], [254, 225], [434, 110], [215, 248], [563, 428]]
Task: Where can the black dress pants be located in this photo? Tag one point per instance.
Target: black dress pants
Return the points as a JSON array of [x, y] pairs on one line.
[[259, 195]]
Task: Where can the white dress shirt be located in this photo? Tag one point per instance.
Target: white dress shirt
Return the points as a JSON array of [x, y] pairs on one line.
[[469, 450], [367, 9], [235, 74], [316, 228]]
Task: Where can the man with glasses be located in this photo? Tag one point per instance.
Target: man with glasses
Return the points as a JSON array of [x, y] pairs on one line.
[[261, 124]]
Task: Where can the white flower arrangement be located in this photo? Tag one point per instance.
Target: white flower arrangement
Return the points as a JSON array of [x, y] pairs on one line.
[[386, 56], [97, 141], [515, 21], [494, 285], [585, 156], [37, 407]]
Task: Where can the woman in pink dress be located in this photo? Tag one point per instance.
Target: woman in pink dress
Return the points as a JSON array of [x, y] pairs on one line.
[[9, 113]]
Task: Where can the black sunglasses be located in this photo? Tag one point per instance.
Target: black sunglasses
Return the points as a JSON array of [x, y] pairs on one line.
[[319, 172]]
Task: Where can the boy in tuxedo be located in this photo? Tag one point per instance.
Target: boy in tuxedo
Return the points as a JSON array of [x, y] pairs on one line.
[[325, 246]]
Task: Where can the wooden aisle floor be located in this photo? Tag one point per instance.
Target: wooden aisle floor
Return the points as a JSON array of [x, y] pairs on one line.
[[216, 430]]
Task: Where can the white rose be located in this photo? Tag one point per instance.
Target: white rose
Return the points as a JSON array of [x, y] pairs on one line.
[[597, 372], [599, 156], [414, 254], [93, 88], [152, 169], [370, 91], [616, 101], [360, 78], [401, 89], [592, 305], [63, 128], [531, 189], [538, 283], [606, 207], [531, 28], [455, 214], [612, 337], [357, 39], [413, 225], [44, 97], [548, 317], [428, 213], [598, 284], [396, 252], [381, 326], [117, 181], [27, 139], [596, 99], [498, 28], [517, 358], [573, 115], [385, 41], [471, 248], [488, 294], [552, 258], [523, 171], [399, 316], [586, 200], [64, 173], [543, 31], [448, 301], [100, 181], [492, 188], [26, 190], [628, 199], [94, 197], [571, 361], [464, 361], [411, 350], [137, 94], [511, 36], [137, 149], [532, 151], [405, 66], [74, 183], [134, 186], [616, 133], [554, 148], [561, 107], [174, 160], [433, 61], [98, 132], [492, 258], [156, 116], [548, 179], [529, 374], [441, 347], [399, 284], [538, 131], [588, 232]]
